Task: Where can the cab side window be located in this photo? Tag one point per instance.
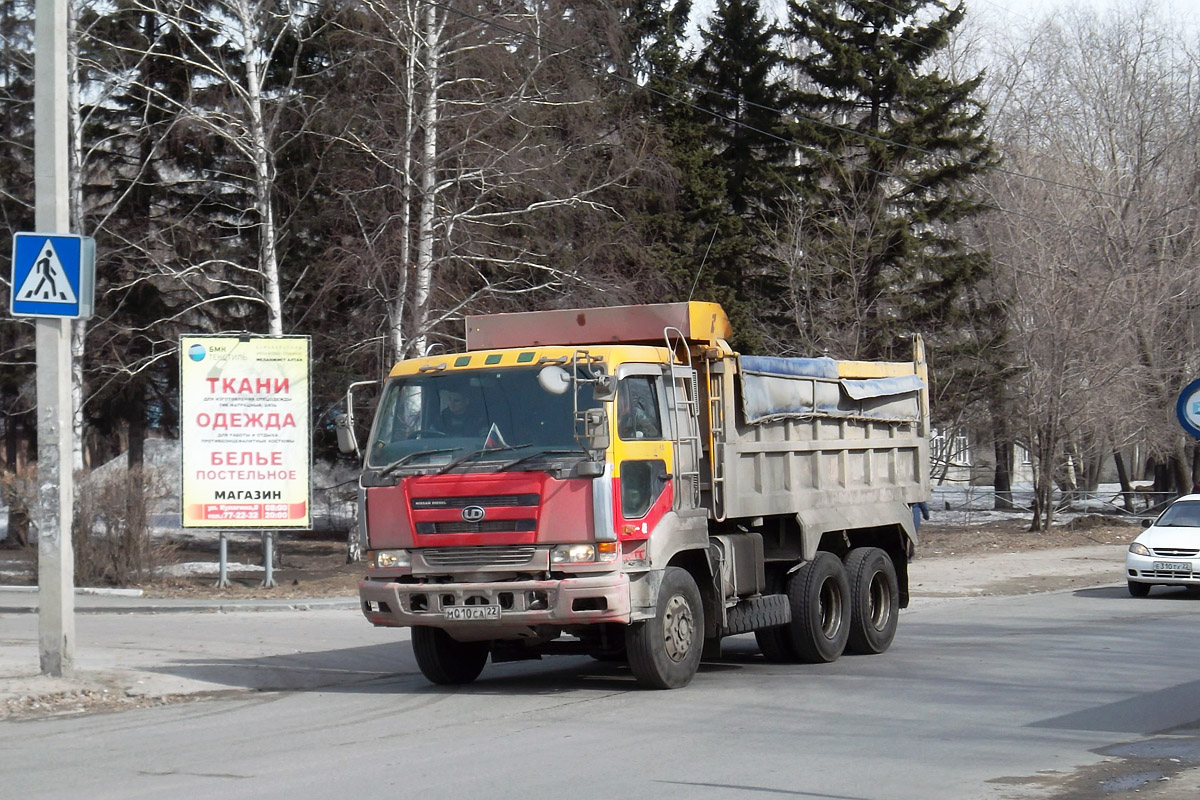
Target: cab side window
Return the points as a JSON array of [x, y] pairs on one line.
[[638, 415]]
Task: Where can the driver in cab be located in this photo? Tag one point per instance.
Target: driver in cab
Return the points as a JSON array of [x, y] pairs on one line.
[[459, 416]]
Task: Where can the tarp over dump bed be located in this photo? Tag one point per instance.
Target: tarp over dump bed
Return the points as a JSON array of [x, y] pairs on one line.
[[778, 388]]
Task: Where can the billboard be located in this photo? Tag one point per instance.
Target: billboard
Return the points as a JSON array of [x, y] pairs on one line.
[[244, 431]]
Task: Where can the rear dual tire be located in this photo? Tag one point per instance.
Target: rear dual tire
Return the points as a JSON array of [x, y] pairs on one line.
[[819, 595], [851, 607], [874, 601]]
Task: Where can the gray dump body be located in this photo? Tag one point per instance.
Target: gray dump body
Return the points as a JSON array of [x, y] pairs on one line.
[[841, 445]]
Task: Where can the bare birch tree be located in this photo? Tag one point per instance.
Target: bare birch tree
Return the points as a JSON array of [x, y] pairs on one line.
[[1099, 238], [481, 127], [238, 91]]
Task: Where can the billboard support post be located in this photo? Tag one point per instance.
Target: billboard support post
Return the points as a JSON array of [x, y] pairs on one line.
[[268, 539], [223, 563]]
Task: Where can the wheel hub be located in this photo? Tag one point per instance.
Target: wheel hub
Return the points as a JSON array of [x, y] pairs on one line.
[[678, 628], [830, 609]]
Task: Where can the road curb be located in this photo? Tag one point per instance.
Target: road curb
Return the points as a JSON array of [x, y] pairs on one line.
[[219, 607]]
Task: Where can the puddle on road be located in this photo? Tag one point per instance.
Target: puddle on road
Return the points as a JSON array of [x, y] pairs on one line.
[[1127, 783]]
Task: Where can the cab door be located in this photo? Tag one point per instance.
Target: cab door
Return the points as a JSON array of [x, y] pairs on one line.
[[642, 448]]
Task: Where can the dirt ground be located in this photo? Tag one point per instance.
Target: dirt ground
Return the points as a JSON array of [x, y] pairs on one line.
[[310, 565], [1014, 535]]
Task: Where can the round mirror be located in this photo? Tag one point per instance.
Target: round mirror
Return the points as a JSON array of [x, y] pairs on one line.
[[554, 379]]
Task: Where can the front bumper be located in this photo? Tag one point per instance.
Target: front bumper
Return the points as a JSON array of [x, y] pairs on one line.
[[522, 605], [1150, 569]]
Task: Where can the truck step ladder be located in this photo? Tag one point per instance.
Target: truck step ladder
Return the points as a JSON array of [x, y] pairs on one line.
[[684, 418], [716, 441]]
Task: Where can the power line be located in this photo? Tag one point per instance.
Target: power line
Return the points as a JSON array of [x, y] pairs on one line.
[[615, 71]]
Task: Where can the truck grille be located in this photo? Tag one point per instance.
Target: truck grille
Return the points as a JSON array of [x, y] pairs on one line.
[[487, 526], [478, 556], [487, 501]]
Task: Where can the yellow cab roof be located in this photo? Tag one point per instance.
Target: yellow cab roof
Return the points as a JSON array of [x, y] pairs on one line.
[[611, 355]]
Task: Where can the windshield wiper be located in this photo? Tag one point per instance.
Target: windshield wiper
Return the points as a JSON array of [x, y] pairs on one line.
[[476, 453], [539, 453], [399, 462]]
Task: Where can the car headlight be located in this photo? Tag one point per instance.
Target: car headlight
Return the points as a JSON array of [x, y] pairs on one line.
[[1139, 549], [389, 559]]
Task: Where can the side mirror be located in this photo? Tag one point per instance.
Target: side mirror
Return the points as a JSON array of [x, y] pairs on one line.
[[1146, 523], [605, 388], [554, 379], [595, 430], [343, 427]]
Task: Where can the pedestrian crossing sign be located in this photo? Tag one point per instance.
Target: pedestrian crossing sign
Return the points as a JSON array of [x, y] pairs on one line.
[[53, 275]]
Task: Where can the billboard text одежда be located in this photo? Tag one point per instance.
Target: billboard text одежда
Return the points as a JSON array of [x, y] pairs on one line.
[[244, 430]]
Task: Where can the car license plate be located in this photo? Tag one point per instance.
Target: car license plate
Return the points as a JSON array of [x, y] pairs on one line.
[[1169, 566], [468, 613]]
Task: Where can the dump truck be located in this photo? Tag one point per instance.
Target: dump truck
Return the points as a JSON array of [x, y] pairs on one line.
[[629, 487]]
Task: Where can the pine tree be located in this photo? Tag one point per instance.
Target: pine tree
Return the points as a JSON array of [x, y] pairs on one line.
[[17, 399], [740, 86], [890, 149]]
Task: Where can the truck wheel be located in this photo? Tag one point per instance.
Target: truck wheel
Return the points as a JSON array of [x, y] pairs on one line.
[[608, 644], [664, 652], [874, 600], [446, 661], [820, 597], [775, 643]]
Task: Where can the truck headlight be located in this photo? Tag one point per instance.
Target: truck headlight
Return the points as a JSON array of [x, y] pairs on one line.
[[1139, 549], [572, 553], [583, 553], [389, 559]]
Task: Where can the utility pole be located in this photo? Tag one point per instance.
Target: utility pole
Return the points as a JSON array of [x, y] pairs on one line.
[[56, 483]]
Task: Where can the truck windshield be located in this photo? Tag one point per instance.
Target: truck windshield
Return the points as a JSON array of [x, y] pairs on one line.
[[434, 419]]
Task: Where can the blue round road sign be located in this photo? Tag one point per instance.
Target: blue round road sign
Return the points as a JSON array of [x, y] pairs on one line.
[[1187, 408]]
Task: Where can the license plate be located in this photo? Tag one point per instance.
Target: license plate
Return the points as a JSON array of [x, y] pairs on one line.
[[1173, 566], [470, 613]]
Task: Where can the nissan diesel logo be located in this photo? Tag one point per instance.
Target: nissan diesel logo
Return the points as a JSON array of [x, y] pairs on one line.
[[473, 514]]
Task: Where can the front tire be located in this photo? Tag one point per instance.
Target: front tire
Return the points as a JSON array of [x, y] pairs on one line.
[[1138, 589], [874, 601], [446, 661], [820, 599], [664, 652]]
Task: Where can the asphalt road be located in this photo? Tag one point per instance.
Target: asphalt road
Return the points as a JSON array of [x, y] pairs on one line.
[[1081, 694]]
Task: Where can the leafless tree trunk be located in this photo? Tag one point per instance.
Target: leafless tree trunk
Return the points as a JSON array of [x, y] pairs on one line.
[[468, 127]]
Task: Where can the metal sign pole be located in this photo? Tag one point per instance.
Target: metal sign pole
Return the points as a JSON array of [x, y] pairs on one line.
[[56, 486]]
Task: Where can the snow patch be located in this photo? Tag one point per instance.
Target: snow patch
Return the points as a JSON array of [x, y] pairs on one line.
[[205, 568]]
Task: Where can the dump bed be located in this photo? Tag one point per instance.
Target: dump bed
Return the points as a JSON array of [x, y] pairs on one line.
[[841, 444]]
